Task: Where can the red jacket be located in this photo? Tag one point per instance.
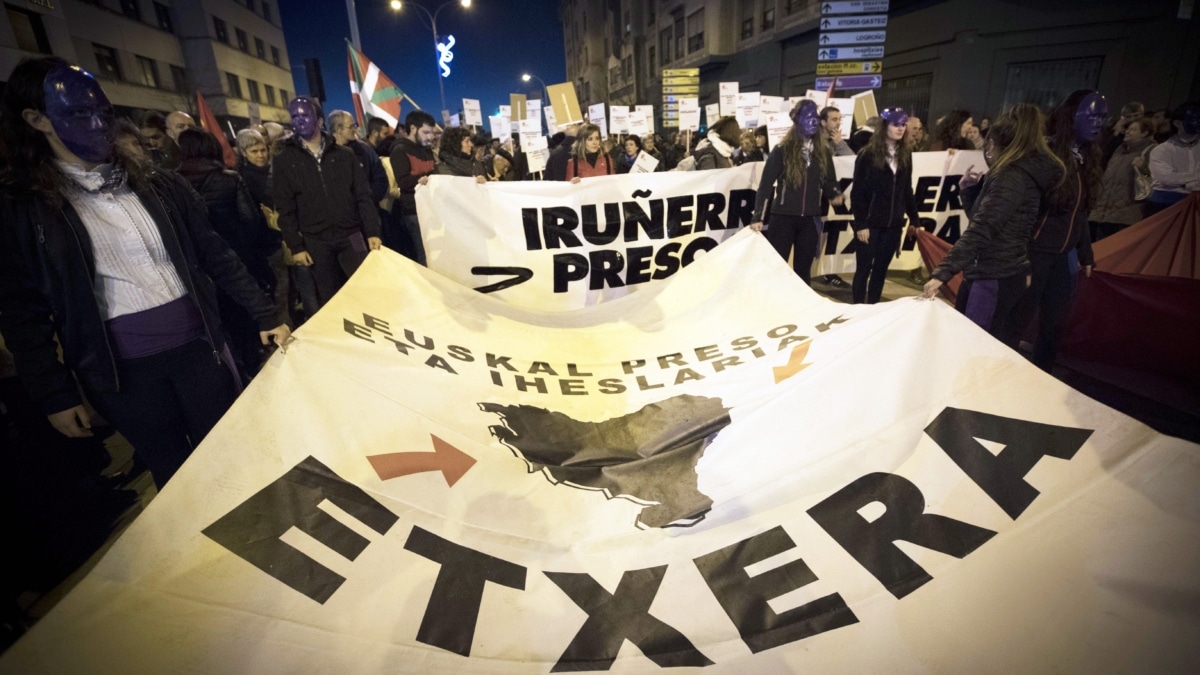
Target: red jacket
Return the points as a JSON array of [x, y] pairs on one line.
[[604, 167]]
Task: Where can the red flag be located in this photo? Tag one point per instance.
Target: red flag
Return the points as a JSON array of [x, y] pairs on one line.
[[208, 122], [829, 92]]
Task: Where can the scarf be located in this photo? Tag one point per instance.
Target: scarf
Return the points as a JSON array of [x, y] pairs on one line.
[[719, 145]]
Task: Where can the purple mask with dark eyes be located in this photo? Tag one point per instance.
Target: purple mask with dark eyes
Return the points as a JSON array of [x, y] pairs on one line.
[[80, 113], [304, 117], [1090, 117], [807, 119]]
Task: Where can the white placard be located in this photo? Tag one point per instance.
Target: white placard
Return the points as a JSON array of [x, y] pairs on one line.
[[771, 104], [506, 111], [748, 109], [778, 126], [501, 127], [689, 114], [536, 160], [637, 123], [728, 101], [644, 164], [597, 116], [821, 98], [455, 120], [712, 113], [619, 118], [648, 111], [472, 112], [533, 110], [551, 123]]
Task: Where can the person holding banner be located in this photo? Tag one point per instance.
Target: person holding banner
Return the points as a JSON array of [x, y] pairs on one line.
[[993, 252], [798, 171], [716, 151], [114, 262], [458, 156], [588, 160], [883, 197]]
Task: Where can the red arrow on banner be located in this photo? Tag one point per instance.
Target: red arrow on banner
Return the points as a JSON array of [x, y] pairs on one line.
[[451, 461]]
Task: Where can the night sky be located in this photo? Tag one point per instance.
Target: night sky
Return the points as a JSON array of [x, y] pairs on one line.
[[496, 41]]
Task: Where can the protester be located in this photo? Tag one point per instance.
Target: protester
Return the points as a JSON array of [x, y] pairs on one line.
[[325, 208], [952, 132], [588, 160], [412, 163], [130, 141], [556, 164], [883, 197], [345, 132], [498, 167], [917, 139], [1175, 163], [993, 252], [235, 215], [761, 142], [632, 147], [747, 150], [859, 139], [1117, 206], [458, 155], [163, 150], [177, 122], [109, 259], [255, 169], [831, 121], [974, 136], [716, 150], [1113, 135], [798, 171], [1061, 242], [650, 147], [377, 130]]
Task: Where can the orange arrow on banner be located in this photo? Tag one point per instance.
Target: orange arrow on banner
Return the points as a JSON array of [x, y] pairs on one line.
[[795, 363], [451, 461]]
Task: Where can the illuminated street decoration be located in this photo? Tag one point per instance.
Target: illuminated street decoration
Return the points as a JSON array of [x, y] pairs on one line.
[[445, 55]]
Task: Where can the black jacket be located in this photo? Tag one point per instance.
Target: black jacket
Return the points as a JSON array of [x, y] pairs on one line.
[[233, 214], [996, 243], [259, 181], [1065, 225], [327, 201], [47, 269], [369, 160], [882, 198], [411, 161], [457, 164], [793, 200], [556, 164]]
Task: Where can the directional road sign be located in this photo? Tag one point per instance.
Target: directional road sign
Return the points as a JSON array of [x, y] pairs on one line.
[[852, 37], [851, 82], [850, 67], [854, 22], [858, 53], [855, 7], [681, 72]]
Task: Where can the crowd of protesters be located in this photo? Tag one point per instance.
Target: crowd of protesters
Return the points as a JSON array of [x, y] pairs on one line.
[[143, 280]]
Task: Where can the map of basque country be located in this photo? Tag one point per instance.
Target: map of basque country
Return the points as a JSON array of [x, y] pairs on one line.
[[648, 456]]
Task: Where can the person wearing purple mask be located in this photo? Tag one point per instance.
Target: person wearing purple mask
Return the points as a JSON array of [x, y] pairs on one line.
[[882, 200], [114, 262], [326, 211], [798, 172], [1062, 243]]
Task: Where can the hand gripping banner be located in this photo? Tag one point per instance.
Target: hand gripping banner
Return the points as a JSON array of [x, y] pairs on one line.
[[723, 471]]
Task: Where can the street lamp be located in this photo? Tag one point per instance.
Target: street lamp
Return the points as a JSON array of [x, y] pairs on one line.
[[545, 91], [397, 5]]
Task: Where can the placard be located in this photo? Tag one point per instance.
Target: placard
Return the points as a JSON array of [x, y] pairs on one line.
[[619, 118], [712, 113], [728, 100], [637, 123], [533, 110], [748, 104], [551, 123], [517, 103], [864, 106], [771, 104], [565, 103], [648, 111], [597, 116], [644, 163], [778, 126], [689, 114], [501, 127], [472, 113]]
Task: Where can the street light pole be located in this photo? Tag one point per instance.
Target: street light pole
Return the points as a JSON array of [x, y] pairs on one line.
[[398, 5], [545, 90], [353, 13]]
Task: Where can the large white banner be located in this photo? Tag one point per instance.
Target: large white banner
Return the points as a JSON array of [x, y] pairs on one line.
[[727, 471], [557, 245]]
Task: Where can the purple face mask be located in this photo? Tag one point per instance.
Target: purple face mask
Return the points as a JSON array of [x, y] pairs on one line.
[[807, 119], [1191, 121], [304, 117], [80, 113], [1090, 117]]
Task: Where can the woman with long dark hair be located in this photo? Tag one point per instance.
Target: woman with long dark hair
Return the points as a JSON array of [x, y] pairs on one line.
[[952, 132], [882, 199], [458, 155], [115, 262], [993, 252], [798, 172], [1062, 243]]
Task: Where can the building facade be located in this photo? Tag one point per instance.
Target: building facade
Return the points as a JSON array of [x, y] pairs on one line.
[[940, 54], [155, 55]]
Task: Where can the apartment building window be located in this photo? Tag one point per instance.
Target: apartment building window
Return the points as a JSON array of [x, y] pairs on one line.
[[163, 14], [651, 16], [260, 48], [147, 72], [28, 29], [131, 9], [107, 64], [794, 6], [179, 81], [250, 5], [252, 88], [283, 94], [614, 76], [747, 16], [628, 67], [221, 29], [275, 55], [234, 85], [696, 31], [664, 45], [768, 19], [266, 6], [243, 42], [270, 91], [628, 24]]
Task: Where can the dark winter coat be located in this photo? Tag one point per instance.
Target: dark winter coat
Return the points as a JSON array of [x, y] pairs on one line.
[[47, 268], [329, 201], [793, 200], [233, 214], [369, 160], [1065, 225], [996, 243], [458, 164], [556, 164], [881, 198], [411, 162]]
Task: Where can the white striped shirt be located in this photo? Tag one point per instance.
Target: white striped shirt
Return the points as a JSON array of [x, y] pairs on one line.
[[133, 271]]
